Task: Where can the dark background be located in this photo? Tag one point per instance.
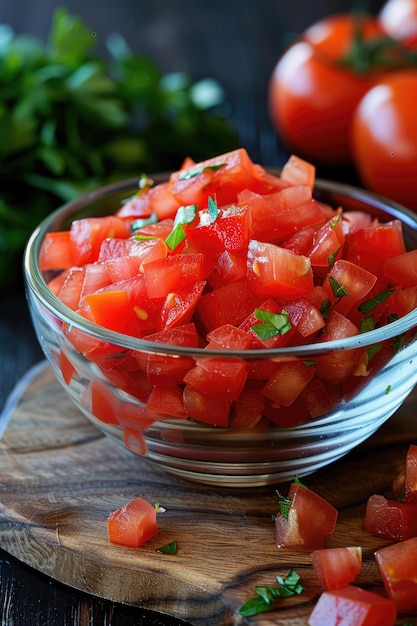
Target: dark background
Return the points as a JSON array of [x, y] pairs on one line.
[[236, 42]]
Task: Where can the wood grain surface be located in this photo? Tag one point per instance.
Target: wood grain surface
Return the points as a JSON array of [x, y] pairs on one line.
[[60, 478]]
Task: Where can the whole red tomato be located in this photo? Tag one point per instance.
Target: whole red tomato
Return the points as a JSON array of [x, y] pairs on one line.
[[384, 137], [317, 84], [399, 20]]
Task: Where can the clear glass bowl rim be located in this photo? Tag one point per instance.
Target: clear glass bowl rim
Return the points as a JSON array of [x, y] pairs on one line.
[[37, 285]]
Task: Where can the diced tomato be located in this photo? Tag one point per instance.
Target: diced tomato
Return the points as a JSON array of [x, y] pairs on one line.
[[229, 268], [56, 252], [207, 408], [96, 276], [327, 245], [297, 171], [87, 234], [66, 366], [162, 369], [402, 269], [113, 310], [276, 216], [287, 381], [162, 202], [133, 524], [157, 230], [391, 519], [277, 272], [335, 568], [134, 440], [102, 402], [317, 398], [135, 207], [337, 367], [398, 567], [178, 307], [223, 377], [247, 410], [230, 304], [352, 606], [166, 402], [350, 284], [70, 290], [370, 247], [310, 519], [173, 273]]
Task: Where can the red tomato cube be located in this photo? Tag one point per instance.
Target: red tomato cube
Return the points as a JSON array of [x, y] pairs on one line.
[[391, 519], [398, 567], [352, 606], [133, 524], [335, 568]]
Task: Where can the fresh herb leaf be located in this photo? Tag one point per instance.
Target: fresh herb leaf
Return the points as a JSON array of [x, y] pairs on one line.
[[325, 308], [367, 324], [372, 303], [371, 351], [272, 323], [213, 209], [158, 508], [332, 257], [187, 174], [336, 220], [175, 237], [266, 596], [169, 548], [284, 504], [185, 215], [143, 221], [388, 389], [338, 289]]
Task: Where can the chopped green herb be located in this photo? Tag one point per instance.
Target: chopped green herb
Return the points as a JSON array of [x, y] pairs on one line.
[[272, 323], [158, 508], [367, 324], [145, 237], [144, 182], [336, 220], [185, 215], [267, 595], [187, 174], [169, 548], [332, 257], [311, 363], [397, 342], [284, 504], [372, 303], [373, 350], [392, 318], [175, 237], [338, 289], [297, 481], [325, 308], [213, 209], [388, 389]]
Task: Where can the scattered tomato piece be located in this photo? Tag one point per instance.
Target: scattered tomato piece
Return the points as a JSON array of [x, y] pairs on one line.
[[133, 524]]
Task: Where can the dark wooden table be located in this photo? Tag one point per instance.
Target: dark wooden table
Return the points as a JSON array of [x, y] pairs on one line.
[[237, 43]]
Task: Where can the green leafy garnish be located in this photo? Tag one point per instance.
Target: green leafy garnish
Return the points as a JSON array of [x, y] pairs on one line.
[[325, 308], [388, 389], [332, 257], [372, 303], [338, 289], [272, 323], [187, 174], [284, 504], [367, 324], [213, 209], [268, 595], [336, 220], [143, 221], [169, 548], [185, 215], [158, 508]]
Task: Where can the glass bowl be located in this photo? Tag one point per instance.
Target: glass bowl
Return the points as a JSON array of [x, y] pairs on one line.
[[250, 451]]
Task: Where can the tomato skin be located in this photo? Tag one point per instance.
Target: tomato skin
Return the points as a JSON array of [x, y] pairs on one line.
[[383, 138], [311, 118], [310, 519], [398, 567], [398, 18], [352, 606], [335, 568], [390, 519], [133, 524], [410, 479]]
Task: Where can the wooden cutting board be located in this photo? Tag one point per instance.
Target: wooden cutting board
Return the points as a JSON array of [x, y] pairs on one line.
[[60, 479]]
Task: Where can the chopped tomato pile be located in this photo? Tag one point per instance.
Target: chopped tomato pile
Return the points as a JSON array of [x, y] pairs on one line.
[[227, 256]]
